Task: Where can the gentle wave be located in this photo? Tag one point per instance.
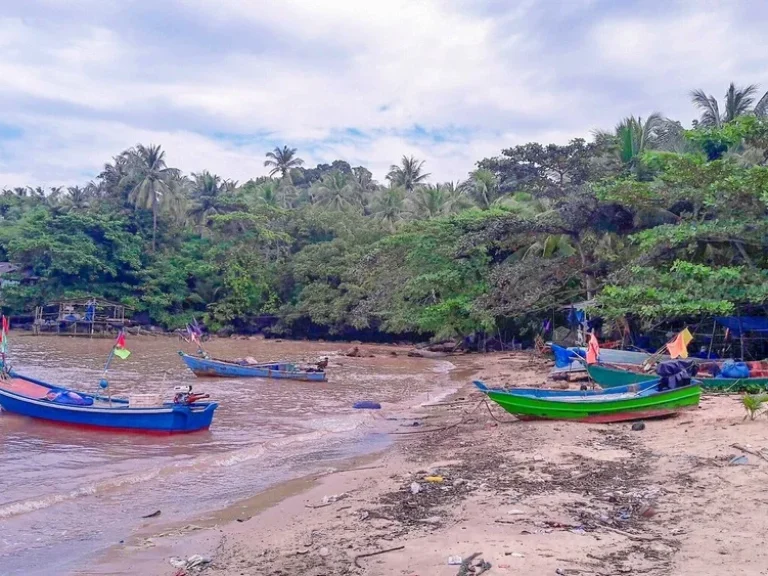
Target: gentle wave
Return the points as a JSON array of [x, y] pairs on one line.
[[326, 427]]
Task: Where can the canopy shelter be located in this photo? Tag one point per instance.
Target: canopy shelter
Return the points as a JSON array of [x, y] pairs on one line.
[[81, 317]]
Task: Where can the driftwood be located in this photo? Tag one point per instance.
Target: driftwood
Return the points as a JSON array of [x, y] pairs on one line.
[[757, 453], [636, 537], [369, 554]]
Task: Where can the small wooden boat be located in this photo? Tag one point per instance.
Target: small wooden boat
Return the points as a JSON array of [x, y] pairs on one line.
[[210, 367], [609, 377], [646, 402], [548, 393], [36, 399]]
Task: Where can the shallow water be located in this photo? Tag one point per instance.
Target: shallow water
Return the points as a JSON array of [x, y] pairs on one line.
[[66, 493]]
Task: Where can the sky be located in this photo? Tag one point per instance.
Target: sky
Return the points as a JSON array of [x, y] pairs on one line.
[[217, 83]]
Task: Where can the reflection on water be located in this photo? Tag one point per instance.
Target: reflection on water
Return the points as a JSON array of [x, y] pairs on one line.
[[65, 492]]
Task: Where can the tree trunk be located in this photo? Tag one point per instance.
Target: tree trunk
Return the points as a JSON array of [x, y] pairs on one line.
[[589, 277], [154, 220]]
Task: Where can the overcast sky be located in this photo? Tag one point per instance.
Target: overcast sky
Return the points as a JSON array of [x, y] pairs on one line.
[[219, 82]]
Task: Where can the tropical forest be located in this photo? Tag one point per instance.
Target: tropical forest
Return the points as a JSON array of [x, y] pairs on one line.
[[649, 220]]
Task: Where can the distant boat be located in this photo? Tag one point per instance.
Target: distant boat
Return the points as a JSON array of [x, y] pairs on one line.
[[609, 377], [211, 367], [633, 403], [36, 399], [569, 360]]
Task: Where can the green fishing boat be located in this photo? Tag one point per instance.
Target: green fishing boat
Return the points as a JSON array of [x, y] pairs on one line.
[[608, 377], [645, 403]]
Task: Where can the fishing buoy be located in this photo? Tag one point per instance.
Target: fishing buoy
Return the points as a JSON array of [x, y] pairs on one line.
[[367, 405], [104, 384]]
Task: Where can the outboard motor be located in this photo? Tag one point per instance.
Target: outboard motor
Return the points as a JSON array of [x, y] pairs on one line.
[[676, 373], [184, 395]]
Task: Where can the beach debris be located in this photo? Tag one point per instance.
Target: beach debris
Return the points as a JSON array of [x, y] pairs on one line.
[[431, 520], [154, 514], [434, 479], [637, 426], [415, 488], [334, 498], [514, 554], [324, 552], [366, 405], [749, 450], [738, 461], [515, 512], [194, 561], [369, 554], [454, 560]]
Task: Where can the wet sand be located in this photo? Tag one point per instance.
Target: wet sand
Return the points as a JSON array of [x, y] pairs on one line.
[[529, 497]]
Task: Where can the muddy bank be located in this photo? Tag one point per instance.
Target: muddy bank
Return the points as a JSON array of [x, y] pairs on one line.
[[533, 498]]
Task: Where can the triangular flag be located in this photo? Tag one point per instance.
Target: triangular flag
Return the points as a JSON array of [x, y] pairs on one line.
[[119, 348], [593, 350], [678, 348], [122, 353]]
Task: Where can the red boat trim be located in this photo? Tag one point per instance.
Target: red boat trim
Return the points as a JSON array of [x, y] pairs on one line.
[[608, 418]]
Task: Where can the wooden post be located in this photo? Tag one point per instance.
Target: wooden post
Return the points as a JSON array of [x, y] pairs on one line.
[[741, 334], [712, 339]]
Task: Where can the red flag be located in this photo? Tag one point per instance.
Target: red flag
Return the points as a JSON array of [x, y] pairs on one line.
[[120, 342], [6, 324], [593, 350]]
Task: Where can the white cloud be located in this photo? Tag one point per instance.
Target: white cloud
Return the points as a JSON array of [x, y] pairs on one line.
[[84, 81]]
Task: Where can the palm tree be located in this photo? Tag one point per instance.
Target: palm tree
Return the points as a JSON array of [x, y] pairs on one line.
[[435, 200], [408, 174], [335, 191], [147, 166], [282, 160], [206, 190], [482, 188], [77, 199], [738, 102], [633, 137], [389, 205]]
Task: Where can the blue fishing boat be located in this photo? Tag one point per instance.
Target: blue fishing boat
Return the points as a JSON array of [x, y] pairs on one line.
[[36, 399], [633, 388], [212, 367]]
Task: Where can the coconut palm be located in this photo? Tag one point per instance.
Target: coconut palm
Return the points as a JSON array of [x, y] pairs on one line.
[[153, 181], [435, 200], [389, 206], [634, 136], [482, 187], [738, 102], [206, 191], [409, 174], [336, 191], [282, 160], [76, 199]]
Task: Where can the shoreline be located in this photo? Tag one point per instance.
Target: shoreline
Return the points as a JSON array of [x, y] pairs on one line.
[[547, 497]]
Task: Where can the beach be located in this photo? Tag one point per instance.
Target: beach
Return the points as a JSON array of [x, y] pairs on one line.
[[465, 480]]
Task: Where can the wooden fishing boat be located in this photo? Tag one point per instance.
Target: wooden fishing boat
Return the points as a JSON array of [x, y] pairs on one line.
[[646, 402], [609, 377], [548, 393], [210, 367], [36, 399]]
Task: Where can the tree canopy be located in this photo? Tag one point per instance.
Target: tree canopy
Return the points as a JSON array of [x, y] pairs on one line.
[[653, 220]]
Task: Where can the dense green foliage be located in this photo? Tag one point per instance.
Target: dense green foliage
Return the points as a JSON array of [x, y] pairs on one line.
[[654, 220]]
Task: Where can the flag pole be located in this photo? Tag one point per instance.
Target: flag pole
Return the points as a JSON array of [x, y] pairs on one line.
[[103, 382]]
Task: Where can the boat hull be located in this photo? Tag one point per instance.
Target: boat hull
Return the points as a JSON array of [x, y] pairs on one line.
[[608, 377], [209, 368], [165, 419], [611, 407]]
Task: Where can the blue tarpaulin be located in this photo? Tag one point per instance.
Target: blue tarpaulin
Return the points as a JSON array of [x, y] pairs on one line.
[[564, 356], [747, 323]]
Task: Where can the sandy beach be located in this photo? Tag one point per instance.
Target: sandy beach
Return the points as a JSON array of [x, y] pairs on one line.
[[468, 489]]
